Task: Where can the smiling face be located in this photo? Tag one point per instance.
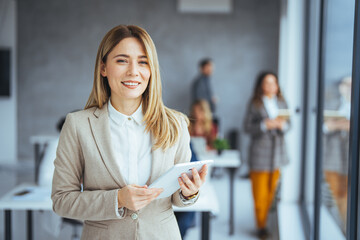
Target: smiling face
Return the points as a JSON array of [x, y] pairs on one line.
[[127, 71]]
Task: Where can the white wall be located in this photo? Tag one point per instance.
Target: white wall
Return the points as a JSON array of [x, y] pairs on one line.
[[8, 121], [291, 67]]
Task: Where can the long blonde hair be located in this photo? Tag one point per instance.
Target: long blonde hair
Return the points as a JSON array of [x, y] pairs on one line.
[[205, 108], [162, 122]]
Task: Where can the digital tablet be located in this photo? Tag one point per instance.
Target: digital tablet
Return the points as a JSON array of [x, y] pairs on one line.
[[169, 180]]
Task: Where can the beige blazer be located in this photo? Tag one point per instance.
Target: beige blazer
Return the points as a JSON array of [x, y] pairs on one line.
[[84, 152]]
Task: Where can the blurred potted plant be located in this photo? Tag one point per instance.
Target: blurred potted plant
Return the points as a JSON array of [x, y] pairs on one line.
[[221, 144]]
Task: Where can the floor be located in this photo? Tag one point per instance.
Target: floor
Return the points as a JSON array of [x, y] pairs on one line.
[[10, 176]]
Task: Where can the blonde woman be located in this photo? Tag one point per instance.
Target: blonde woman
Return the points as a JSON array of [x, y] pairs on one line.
[[201, 122], [123, 140]]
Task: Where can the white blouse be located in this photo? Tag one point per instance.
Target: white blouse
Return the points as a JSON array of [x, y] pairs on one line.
[[271, 106], [272, 110], [345, 108], [132, 148], [131, 145]]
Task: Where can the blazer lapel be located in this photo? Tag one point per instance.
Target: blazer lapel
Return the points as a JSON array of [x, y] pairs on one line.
[[101, 131], [263, 112], [157, 163]]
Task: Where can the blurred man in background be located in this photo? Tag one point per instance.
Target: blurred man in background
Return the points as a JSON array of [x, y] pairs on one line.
[[201, 89]]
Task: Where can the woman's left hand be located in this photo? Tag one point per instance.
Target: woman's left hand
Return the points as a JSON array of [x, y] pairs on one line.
[[191, 186], [280, 123]]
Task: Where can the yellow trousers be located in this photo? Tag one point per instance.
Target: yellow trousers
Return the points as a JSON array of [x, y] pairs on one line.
[[264, 185], [338, 186]]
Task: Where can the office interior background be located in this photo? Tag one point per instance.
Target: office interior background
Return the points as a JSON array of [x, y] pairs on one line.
[[309, 43]]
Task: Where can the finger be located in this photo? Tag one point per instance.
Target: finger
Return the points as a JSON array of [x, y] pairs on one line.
[[196, 177], [144, 198], [151, 197], [156, 191], [135, 185], [155, 195], [204, 168], [203, 176], [183, 187], [138, 201], [145, 192], [188, 182], [141, 204]]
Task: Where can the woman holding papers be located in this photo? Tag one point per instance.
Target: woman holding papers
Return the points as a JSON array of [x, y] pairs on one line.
[[124, 140], [267, 152], [336, 146]]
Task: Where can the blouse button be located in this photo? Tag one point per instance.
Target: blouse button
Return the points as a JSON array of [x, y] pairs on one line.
[[129, 119], [134, 216]]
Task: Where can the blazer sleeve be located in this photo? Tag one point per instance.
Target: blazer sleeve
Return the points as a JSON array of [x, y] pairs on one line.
[[252, 121], [183, 154], [68, 199]]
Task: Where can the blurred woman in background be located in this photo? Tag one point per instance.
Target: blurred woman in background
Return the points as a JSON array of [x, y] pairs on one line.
[[336, 146], [201, 125], [201, 122], [267, 152]]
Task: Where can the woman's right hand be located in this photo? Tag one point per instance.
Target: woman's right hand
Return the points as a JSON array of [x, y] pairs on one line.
[[135, 197], [270, 124], [335, 125], [276, 123]]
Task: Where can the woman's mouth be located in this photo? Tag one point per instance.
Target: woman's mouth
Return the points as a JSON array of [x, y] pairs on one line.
[[131, 85]]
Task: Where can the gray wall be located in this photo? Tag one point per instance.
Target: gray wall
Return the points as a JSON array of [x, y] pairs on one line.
[[58, 40], [8, 131]]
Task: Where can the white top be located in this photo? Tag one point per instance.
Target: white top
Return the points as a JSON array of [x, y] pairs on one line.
[[345, 108], [131, 145], [271, 106], [272, 110]]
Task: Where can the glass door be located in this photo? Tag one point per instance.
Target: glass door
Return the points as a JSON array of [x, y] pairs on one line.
[[331, 123], [337, 55]]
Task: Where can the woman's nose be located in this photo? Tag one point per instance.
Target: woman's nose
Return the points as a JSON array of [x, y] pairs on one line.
[[133, 70]]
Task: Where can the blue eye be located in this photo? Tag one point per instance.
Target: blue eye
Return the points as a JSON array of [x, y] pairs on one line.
[[143, 62], [120, 61]]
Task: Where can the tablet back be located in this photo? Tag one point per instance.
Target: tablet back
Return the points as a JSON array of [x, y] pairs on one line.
[[169, 180]]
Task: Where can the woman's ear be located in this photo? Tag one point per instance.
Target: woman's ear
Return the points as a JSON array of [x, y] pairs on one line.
[[103, 69]]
